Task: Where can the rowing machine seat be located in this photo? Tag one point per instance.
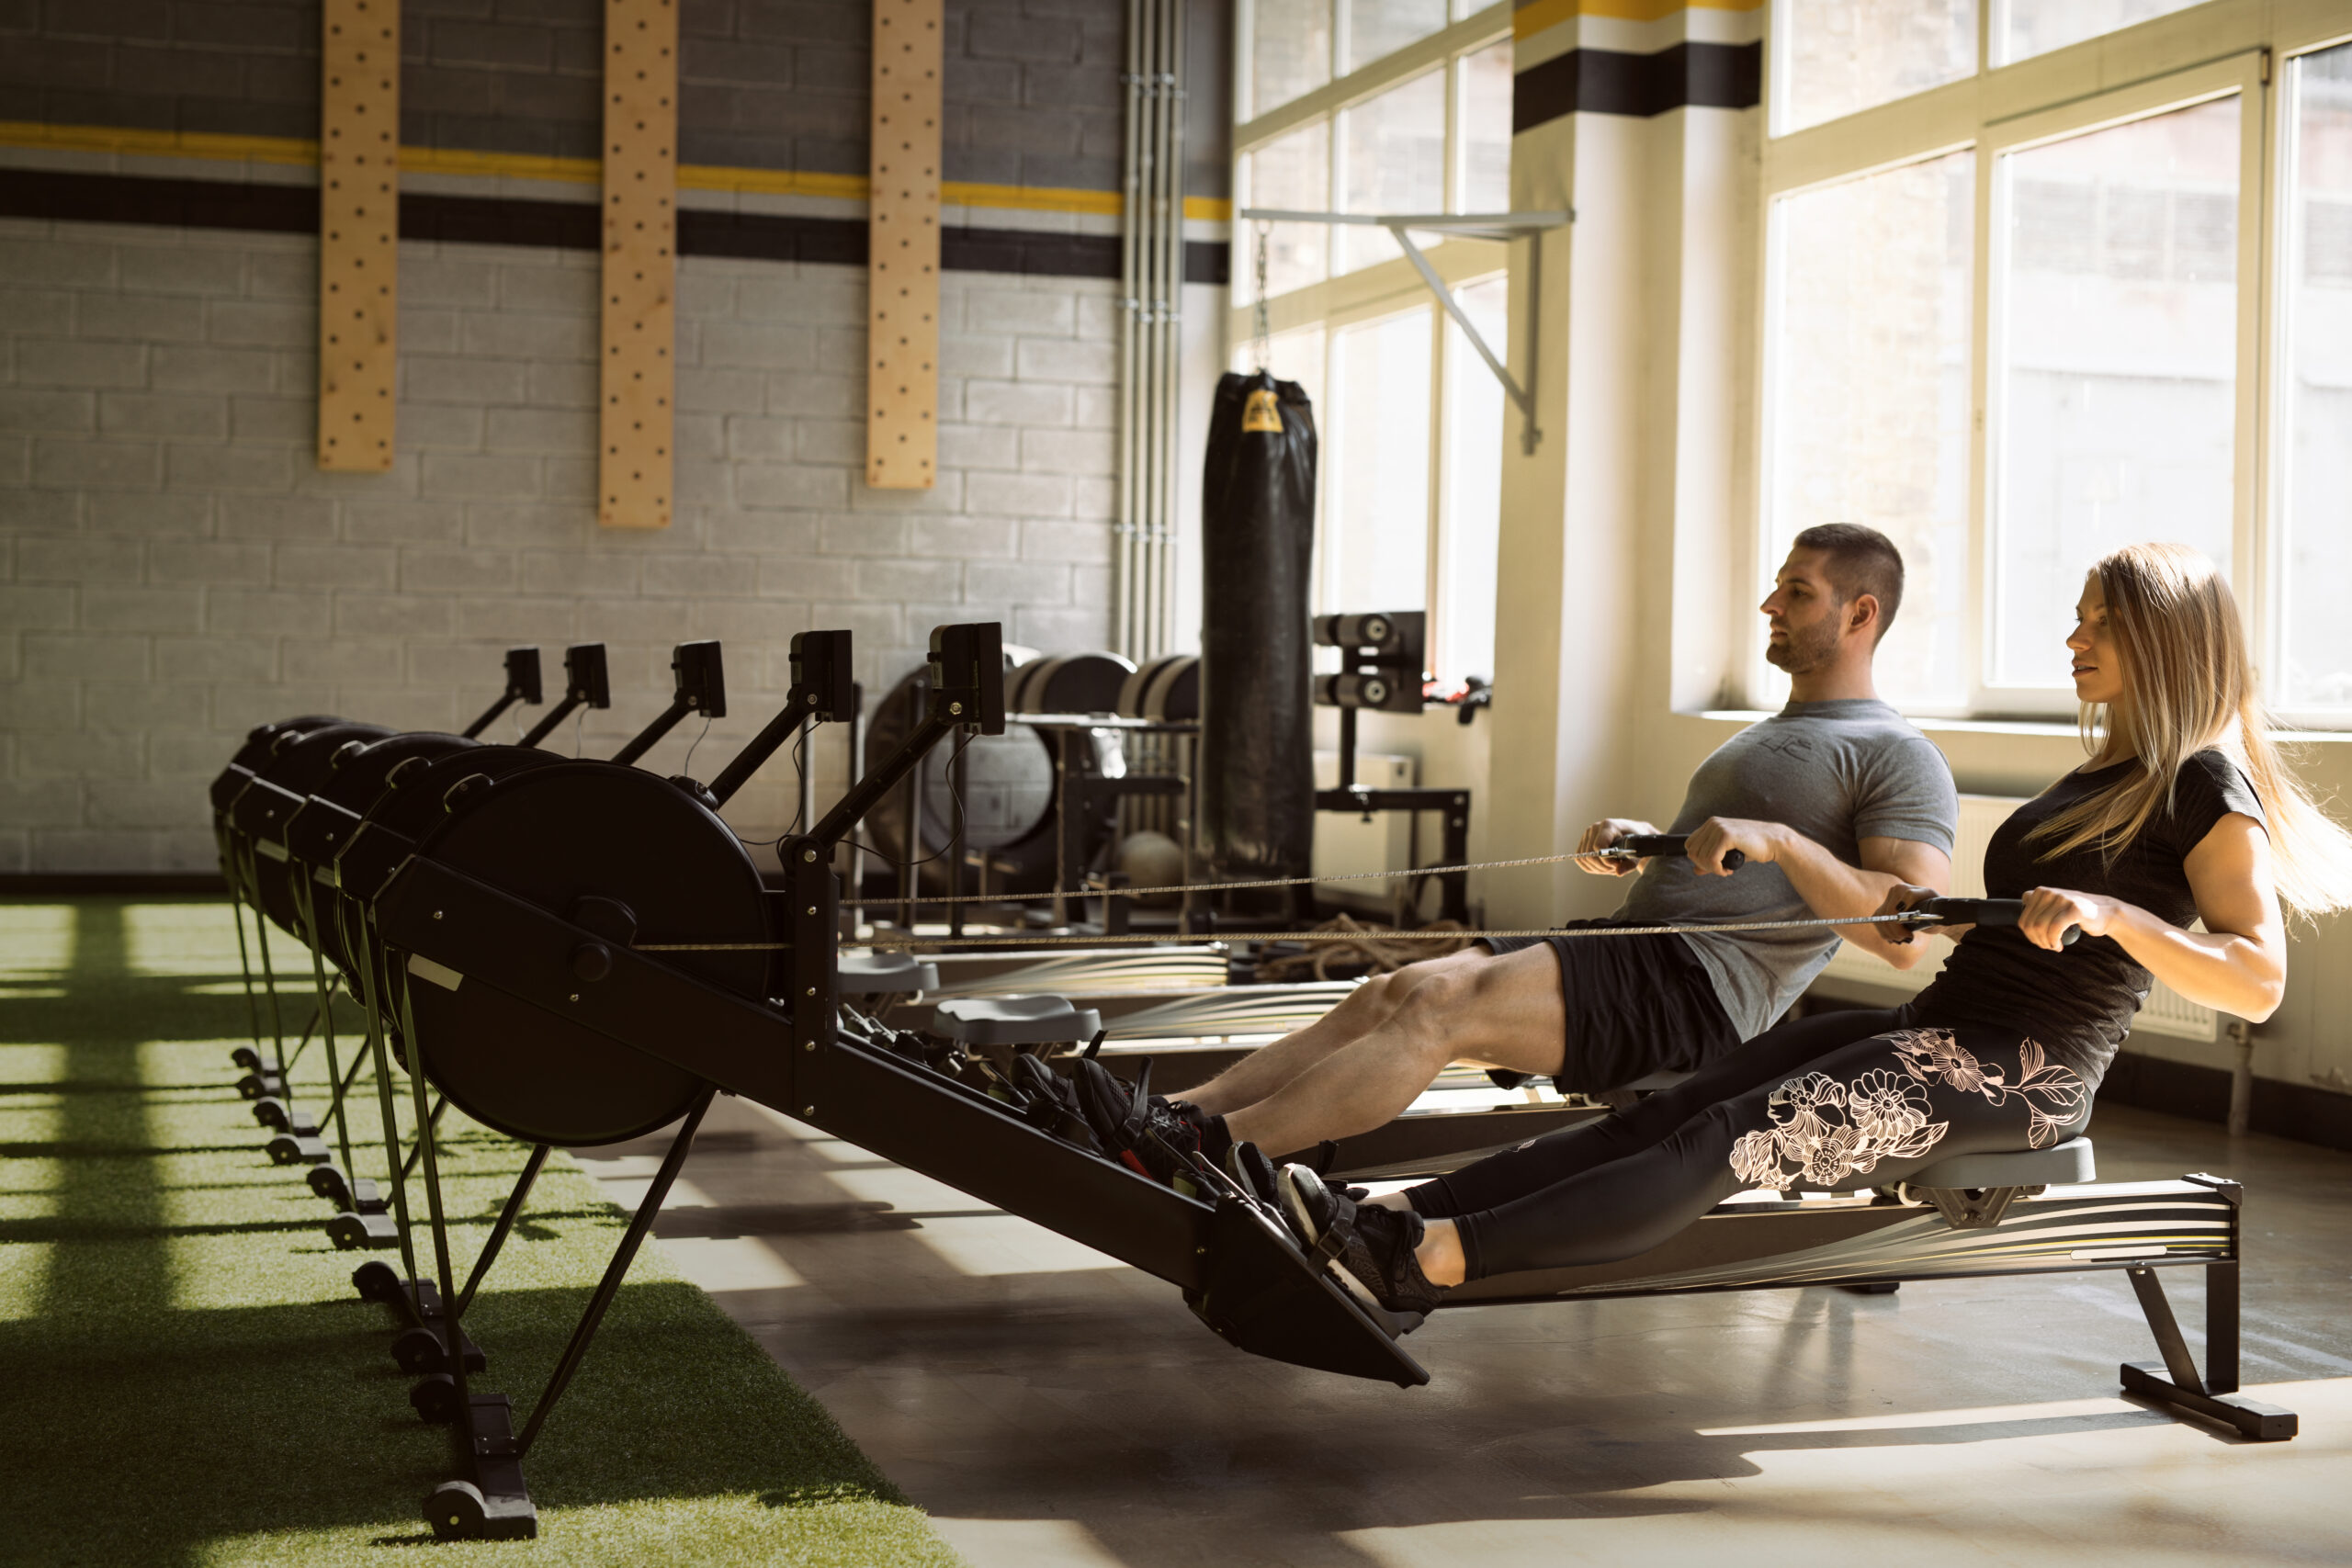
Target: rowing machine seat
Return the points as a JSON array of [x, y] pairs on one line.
[[881, 972], [1015, 1021], [2062, 1165]]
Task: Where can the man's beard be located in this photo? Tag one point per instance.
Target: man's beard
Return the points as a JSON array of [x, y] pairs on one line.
[[1806, 649]]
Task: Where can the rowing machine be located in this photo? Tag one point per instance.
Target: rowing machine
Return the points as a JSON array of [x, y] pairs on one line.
[[495, 944]]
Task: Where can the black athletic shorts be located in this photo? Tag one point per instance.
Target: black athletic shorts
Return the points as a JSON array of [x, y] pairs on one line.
[[1636, 1005]]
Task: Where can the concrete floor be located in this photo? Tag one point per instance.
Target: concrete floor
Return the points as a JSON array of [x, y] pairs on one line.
[[1050, 1406]]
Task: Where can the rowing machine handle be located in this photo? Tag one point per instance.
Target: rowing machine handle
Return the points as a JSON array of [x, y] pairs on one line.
[[1648, 844], [1983, 912]]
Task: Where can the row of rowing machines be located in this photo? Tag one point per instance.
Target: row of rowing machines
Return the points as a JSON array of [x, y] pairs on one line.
[[578, 952]]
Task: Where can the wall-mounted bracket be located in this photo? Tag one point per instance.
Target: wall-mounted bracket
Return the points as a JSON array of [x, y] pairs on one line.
[[1504, 226]]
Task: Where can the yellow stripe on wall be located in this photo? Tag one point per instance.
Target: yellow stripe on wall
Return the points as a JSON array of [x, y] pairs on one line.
[[1529, 20], [121, 139], [158, 143]]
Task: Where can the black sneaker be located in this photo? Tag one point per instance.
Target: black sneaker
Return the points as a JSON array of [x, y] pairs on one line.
[[1369, 1250], [1137, 1128], [1255, 1174], [1052, 1104]]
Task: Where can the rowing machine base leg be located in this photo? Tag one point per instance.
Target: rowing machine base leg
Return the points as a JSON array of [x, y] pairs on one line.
[[422, 1345], [354, 1232], [2172, 1382], [489, 1502]]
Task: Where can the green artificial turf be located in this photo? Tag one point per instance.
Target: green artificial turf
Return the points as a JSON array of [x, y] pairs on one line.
[[187, 1377]]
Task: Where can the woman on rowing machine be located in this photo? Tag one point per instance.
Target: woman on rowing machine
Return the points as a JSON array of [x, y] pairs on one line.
[[2183, 811]]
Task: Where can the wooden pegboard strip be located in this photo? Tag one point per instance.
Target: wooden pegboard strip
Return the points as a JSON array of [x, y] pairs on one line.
[[637, 393], [359, 116], [902, 267]]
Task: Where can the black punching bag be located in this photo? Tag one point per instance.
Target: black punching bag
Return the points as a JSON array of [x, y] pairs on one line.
[[1256, 715]]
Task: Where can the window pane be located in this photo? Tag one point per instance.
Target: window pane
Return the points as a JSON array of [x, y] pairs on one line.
[[2117, 338], [1295, 355], [1843, 55], [1394, 160], [1869, 395], [2317, 510], [1383, 27], [1376, 468], [2036, 27], [1485, 131], [1293, 174], [1474, 486], [1290, 51]]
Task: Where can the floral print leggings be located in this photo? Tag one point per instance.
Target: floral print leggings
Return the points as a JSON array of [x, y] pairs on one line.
[[1843, 1101]]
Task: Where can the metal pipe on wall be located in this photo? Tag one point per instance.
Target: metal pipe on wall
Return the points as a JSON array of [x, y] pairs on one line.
[[1151, 284], [1131, 152]]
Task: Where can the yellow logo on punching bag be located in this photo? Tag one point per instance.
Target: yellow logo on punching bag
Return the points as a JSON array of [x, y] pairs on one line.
[[1261, 414]]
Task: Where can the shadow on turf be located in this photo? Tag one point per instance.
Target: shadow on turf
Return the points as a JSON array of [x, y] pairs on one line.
[[141, 1429]]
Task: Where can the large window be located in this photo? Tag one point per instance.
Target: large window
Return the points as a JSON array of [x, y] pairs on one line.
[[2025, 304], [1383, 107], [2314, 445], [2115, 361]]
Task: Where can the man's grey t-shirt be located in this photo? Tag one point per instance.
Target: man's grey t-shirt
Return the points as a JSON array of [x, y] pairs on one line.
[[1837, 772]]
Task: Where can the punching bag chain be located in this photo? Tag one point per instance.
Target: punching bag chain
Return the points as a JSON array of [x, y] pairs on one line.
[[1261, 330]]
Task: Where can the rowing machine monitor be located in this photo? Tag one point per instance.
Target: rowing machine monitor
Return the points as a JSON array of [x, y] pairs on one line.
[[586, 684], [699, 685], [522, 686], [1976, 912], [1643, 846], [821, 692], [699, 678], [968, 676]]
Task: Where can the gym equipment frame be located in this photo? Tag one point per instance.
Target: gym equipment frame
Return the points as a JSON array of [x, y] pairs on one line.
[[564, 985]]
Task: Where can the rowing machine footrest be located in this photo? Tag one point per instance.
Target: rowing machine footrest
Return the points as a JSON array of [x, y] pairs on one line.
[[1015, 1021], [1260, 1294], [2064, 1165], [883, 973]]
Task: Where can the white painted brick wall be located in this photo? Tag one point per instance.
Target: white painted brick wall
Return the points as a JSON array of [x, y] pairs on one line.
[[173, 569]]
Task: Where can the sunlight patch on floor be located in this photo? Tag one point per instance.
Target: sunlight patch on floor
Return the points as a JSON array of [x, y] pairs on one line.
[[730, 1263], [199, 939], [996, 1243], [2139, 1490], [1026, 1544], [36, 940]]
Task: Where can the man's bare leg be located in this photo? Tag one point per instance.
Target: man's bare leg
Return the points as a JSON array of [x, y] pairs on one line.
[[1507, 1012], [1370, 1005]]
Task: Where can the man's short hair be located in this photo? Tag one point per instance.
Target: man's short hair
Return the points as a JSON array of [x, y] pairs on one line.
[[1861, 560]]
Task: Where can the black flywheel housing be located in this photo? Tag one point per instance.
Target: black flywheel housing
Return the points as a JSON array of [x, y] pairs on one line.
[[630, 857]]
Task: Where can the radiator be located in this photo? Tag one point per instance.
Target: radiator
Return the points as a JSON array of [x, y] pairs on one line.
[[2167, 1011]]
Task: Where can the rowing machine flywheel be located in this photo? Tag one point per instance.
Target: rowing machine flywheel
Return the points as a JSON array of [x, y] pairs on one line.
[[630, 857]]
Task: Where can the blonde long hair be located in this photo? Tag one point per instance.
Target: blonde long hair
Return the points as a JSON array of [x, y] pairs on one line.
[[2189, 685]]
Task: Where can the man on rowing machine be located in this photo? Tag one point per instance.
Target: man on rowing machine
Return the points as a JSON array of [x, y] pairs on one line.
[[1830, 802]]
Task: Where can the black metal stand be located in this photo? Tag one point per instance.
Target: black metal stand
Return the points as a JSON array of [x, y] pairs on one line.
[[2172, 1382], [1453, 809], [488, 1500]]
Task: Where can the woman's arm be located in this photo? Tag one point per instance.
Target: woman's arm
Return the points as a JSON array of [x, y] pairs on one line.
[[2237, 966]]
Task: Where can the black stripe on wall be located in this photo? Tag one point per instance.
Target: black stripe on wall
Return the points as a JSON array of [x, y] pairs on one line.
[[559, 225], [1596, 81]]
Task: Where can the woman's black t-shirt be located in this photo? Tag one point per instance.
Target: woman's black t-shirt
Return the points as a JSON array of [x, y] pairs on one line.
[[2078, 1002]]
